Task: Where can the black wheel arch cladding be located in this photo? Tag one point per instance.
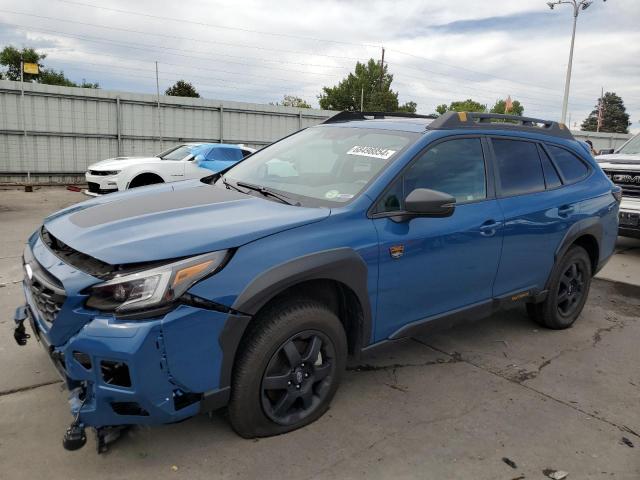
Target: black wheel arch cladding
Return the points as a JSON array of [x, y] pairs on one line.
[[341, 265]]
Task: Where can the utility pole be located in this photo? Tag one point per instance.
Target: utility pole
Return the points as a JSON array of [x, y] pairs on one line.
[[28, 187], [381, 69], [600, 110], [577, 6], [159, 111]]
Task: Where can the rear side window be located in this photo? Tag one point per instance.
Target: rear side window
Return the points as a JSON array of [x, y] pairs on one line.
[[550, 174], [571, 167], [519, 167]]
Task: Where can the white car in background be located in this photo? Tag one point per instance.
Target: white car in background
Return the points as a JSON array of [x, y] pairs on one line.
[[182, 162]]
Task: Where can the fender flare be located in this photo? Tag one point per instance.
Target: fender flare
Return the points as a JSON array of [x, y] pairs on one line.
[[343, 265], [587, 226]]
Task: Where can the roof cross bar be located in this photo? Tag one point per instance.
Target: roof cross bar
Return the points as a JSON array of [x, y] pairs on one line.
[[498, 121], [347, 116]]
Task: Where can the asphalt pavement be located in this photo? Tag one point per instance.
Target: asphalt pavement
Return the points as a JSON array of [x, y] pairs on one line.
[[498, 399]]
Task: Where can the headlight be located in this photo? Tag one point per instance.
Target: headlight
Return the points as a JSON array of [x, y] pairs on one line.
[[155, 287]]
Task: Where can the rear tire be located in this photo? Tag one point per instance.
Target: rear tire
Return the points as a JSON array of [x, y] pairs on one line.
[[288, 369], [568, 291]]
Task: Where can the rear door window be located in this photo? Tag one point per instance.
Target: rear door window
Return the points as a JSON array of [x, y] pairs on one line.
[[519, 167], [571, 167], [551, 177]]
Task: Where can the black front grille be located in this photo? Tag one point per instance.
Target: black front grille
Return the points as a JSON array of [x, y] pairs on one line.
[[629, 181], [95, 188], [48, 301]]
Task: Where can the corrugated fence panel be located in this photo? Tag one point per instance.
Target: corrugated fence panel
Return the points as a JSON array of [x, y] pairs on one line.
[[70, 128]]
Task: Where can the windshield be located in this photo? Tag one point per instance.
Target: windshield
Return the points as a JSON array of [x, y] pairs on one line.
[[180, 152], [323, 165], [632, 147]]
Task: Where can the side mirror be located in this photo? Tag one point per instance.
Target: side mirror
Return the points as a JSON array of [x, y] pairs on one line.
[[607, 151], [198, 158], [429, 203]]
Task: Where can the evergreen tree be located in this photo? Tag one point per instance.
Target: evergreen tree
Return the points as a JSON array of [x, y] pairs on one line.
[[615, 118]]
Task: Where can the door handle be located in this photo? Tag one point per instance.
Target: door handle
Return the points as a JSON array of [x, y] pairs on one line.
[[565, 210], [489, 228]]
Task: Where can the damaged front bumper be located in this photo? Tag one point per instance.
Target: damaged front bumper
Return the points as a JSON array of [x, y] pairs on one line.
[[155, 371]]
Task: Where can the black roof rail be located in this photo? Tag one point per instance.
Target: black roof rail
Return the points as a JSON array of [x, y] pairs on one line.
[[497, 121], [347, 116]]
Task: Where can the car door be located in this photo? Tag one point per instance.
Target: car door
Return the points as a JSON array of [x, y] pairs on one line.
[[431, 266], [537, 213]]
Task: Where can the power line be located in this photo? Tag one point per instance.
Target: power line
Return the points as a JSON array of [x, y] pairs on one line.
[[148, 47], [153, 48], [191, 39], [210, 25]]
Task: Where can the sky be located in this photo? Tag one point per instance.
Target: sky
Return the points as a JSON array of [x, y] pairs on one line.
[[437, 50]]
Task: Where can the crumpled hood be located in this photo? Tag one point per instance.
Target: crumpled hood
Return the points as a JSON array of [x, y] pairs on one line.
[[618, 159], [118, 163], [172, 220]]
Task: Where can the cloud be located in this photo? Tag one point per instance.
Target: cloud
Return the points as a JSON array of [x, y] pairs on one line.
[[254, 51]]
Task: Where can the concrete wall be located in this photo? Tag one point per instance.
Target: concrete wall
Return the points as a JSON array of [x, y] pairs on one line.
[[70, 128], [603, 140]]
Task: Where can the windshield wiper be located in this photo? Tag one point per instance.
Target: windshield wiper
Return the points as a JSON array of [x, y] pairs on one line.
[[231, 185], [267, 192]]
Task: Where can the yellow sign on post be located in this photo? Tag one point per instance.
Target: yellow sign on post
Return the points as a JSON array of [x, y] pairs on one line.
[[31, 68]]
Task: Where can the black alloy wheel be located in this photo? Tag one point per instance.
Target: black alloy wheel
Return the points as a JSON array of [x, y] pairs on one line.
[[297, 378], [570, 289]]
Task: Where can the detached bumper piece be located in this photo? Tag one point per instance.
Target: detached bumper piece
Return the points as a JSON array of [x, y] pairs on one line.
[[19, 333]]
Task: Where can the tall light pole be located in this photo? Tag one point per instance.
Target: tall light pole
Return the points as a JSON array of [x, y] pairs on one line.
[[577, 5]]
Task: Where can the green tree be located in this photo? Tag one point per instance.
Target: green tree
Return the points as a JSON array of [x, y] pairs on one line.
[[615, 118], [467, 105], [371, 79], [182, 88], [516, 108], [10, 58], [291, 101], [442, 109], [409, 107], [49, 76]]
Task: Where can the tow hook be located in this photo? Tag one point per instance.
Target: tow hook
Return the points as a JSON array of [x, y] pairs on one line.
[[75, 437], [19, 333]]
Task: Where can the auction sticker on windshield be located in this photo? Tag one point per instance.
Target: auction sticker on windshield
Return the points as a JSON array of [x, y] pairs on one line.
[[375, 152]]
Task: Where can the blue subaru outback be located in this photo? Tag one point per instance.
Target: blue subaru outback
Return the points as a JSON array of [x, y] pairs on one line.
[[250, 288]]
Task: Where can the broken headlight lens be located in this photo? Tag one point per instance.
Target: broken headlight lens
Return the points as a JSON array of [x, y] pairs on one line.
[[155, 287]]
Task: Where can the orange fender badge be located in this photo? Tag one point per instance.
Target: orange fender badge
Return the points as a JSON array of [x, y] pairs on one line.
[[396, 251]]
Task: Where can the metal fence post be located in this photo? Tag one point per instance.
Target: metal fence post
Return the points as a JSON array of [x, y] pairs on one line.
[[118, 126], [221, 124], [299, 120]]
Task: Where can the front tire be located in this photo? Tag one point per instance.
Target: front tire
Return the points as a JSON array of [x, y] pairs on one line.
[[288, 369], [568, 291]]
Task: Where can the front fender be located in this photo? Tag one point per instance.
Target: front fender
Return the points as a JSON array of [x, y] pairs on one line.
[[343, 265]]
